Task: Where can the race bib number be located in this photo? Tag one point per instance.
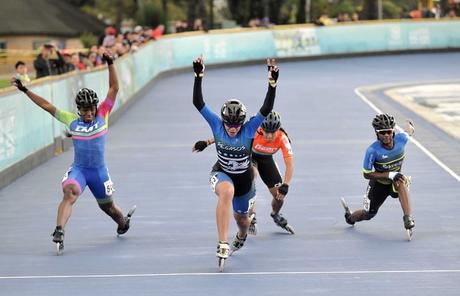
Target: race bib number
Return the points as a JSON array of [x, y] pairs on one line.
[[109, 190], [213, 180], [66, 175]]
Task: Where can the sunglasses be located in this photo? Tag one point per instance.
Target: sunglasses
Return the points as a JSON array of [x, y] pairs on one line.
[[232, 125], [385, 132]]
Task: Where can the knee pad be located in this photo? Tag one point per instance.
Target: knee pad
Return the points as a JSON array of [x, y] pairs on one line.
[[369, 215]]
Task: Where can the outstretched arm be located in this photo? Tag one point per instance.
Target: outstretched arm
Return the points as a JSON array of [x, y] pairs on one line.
[[273, 73], [113, 80], [201, 145], [198, 68], [41, 102]]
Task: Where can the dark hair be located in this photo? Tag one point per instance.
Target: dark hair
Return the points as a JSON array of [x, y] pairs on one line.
[[282, 129], [19, 63]]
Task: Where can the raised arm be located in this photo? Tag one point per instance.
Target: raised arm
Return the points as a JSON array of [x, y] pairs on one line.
[[273, 73], [409, 129], [113, 80], [41, 102], [198, 68]]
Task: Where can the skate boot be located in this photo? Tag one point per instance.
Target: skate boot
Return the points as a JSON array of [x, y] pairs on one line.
[[58, 238], [123, 230], [252, 230], [222, 254], [238, 243], [347, 212], [409, 225], [282, 222]]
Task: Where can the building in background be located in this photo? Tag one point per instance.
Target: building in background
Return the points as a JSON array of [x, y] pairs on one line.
[[27, 24]]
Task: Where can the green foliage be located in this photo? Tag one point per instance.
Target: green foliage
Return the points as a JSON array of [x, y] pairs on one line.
[[88, 39], [391, 10], [150, 14]]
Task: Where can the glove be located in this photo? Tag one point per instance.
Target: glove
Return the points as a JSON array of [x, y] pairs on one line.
[[20, 86], [198, 68], [273, 74], [396, 176], [107, 58], [283, 189], [200, 146]]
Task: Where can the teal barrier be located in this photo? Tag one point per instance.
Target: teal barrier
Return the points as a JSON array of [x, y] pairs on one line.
[[26, 129]]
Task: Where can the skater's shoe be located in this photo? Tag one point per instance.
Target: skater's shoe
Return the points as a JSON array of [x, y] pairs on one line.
[[223, 250], [58, 235], [125, 228], [238, 242], [279, 220], [252, 230], [347, 212], [408, 222]]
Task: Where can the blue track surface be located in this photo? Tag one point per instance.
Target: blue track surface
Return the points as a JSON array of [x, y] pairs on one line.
[[170, 249]]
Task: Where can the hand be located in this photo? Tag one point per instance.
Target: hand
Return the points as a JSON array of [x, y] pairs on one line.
[[16, 82], [198, 66], [200, 146], [107, 58], [409, 129], [273, 72], [396, 176]]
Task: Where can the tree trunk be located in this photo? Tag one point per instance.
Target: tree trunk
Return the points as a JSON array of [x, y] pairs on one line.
[[301, 13]]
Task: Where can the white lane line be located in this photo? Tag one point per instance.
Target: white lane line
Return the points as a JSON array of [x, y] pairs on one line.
[[417, 143], [192, 274]]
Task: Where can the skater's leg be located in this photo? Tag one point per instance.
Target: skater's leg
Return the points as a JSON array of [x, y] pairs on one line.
[[404, 199], [71, 194], [277, 201], [403, 194], [224, 191], [242, 220], [114, 212]]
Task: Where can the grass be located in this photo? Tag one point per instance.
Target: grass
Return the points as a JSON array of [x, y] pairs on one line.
[[4, 83]]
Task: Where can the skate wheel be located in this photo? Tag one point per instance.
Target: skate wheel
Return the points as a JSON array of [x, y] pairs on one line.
[[221, 262], [59, 248], [409, 234], [289, 229]]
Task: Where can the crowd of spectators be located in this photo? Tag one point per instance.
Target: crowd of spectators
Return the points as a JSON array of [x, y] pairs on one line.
[[54, 61]]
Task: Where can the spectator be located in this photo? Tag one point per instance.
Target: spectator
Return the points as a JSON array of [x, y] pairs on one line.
[[354, 17], [158, 32], [198, 25], [21, 72], [45, 66], [67, 56], [77, 62], [451, 14]]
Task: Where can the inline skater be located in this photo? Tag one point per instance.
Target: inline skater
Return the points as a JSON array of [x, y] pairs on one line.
[[382, 167], [269, 139], [88, 130], [232, 178]]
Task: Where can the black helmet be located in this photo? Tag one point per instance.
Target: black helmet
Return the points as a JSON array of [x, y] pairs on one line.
[[383, 121], [86, 97], [233, 112], [272, 122]]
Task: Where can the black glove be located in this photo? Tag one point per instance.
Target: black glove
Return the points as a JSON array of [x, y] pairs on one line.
[[20, 86], [198, 68], [283, 189], [396, 176], [107, 58], [200, 145], [273, 74]]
